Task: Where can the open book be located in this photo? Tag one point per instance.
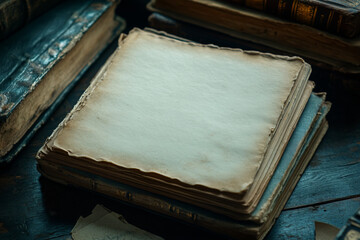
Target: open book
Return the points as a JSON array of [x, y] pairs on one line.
[[200, 124]]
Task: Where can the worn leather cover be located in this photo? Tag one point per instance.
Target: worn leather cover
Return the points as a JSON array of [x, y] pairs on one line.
[[335, 16], [15, 13], [28, 55]]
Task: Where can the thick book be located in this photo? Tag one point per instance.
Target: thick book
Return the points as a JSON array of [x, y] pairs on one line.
[[266, 115], [204, 125], [307, 135], [16, 13], [257, 27], [335, 16], [41, 60]]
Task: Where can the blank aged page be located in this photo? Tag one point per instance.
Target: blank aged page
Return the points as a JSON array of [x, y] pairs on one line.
[[199, 114]]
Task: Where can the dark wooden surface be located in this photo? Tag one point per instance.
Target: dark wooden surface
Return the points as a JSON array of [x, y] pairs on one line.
[[329, 191]]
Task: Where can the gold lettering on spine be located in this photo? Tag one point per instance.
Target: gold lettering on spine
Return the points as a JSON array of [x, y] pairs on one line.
[[339, 23], [293, 9], [314, 16], [330, 17], [281, 6]]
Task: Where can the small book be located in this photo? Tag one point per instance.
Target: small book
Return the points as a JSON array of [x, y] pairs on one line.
[[203, 125], [42, 61], [338, 53]]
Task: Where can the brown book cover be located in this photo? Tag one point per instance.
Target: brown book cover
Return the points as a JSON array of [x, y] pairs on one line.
[[335, 16], [16, 13]]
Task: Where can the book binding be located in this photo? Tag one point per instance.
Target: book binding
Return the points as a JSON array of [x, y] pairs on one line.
[[337, 17]]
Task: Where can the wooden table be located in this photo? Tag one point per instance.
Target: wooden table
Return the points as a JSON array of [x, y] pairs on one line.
[[35, 208]]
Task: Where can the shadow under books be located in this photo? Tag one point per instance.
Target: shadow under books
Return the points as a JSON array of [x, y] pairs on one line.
[[65, 204]]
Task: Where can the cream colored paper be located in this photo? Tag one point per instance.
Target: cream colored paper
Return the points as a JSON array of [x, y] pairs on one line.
[[103, 224], [98, 212], [201, 115], [324, 231]]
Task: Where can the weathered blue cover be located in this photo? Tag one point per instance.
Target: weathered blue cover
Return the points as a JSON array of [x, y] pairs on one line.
[[304, 131], [28, 55], [301, 133]]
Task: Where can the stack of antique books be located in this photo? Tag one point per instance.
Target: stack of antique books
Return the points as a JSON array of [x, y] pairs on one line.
[[217, 137]]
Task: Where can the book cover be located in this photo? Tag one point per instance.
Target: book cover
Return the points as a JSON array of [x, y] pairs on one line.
[[33, 63], [335, 16]]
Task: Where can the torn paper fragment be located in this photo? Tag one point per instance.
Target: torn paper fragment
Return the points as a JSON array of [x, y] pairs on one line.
[[108, 225], [324, 231]]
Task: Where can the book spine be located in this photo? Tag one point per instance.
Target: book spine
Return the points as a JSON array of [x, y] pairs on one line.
[[147, 201], [15, 13], [340, 21]]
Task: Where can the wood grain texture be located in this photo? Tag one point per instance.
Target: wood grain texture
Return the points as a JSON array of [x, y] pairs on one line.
[[300, 223], [334, 171]]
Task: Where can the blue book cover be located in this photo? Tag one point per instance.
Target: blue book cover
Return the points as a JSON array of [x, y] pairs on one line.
[[34, 76]]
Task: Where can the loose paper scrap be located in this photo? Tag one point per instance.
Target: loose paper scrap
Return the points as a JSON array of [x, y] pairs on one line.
[[103, 224], [324, 231]]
